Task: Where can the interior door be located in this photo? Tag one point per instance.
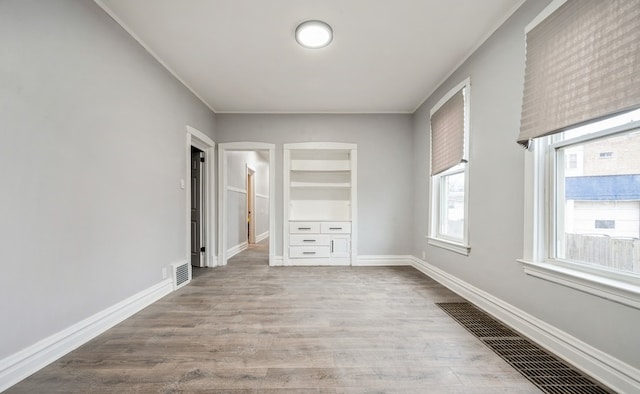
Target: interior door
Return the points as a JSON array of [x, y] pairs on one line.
[[251, 224], [196, 206]]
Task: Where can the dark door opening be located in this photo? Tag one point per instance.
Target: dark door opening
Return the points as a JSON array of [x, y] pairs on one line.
[[197, 157]]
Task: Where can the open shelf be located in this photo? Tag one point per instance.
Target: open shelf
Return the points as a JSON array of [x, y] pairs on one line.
[[315, 185], [320, 191], [321, 165]]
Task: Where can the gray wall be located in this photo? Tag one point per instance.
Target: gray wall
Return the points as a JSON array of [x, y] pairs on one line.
[[496, 195], [384, 167], [92, 150]]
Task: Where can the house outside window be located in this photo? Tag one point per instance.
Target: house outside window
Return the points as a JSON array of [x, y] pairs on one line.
[[595, 212]]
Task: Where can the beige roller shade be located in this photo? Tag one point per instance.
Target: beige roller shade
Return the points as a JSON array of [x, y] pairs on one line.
[[582, 64], [447, 134]]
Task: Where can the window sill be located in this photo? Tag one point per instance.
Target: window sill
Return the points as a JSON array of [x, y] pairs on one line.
[[611, 289], [449, 245]]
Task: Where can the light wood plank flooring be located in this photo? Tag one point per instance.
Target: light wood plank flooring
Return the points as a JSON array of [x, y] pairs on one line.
[[248, 327]]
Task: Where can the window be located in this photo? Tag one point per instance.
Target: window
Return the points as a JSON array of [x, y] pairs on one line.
[[449, 172], [605, 224], [581, 99], [591, 222], [609, 189], [606, 155], [573, 161]]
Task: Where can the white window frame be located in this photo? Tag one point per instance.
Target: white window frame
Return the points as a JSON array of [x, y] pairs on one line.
[[540, 230], [434, 236]]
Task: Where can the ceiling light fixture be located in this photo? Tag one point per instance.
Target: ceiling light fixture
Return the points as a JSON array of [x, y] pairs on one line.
[[314, 34]]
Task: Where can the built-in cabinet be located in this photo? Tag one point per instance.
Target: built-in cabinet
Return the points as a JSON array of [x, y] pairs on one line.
[[320, 203]]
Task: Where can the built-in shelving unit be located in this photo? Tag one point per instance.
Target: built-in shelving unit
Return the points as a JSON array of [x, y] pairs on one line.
[[319, 203]]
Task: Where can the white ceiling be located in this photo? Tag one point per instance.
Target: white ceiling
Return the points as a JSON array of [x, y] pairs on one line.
[[387, 56]]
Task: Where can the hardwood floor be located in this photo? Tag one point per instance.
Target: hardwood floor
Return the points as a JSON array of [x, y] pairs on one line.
[[248, 327]]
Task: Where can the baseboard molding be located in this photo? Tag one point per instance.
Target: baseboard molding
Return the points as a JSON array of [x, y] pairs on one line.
[[237, 249], [318, 262], [383, 261], [611, 371], [361, 261], [262, 237], [276, 261], [20, 365]]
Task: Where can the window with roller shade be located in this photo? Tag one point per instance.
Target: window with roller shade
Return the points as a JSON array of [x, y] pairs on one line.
[[581, 121], [449, 120]]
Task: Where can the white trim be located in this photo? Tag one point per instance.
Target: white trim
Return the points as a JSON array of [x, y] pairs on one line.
[[19, 365], [236, 189], [306, 112], [449, 94], [329, 261], [383, 261], [321, 145], [611, 371], [277, 261], [207, 145], [262, 237], [222, 199], [621, 292], [119, 21], [266, 197], [479, 43], [550, 9], [449, 245], [234, 250], [200, 135]]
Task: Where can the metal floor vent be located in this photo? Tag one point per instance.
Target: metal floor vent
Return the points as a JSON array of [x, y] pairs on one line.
[[547, 372], [181, 274]]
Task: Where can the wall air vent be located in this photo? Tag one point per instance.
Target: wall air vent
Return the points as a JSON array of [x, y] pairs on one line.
[[181, 274]]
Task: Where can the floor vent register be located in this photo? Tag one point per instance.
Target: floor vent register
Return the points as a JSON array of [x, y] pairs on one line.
[[546, 371]]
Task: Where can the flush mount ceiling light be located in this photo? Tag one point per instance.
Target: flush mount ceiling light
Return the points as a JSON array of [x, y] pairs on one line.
[[314, 34]]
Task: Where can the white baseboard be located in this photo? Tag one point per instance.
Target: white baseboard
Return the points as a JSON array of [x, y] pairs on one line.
[[262, 237], [19, 365], [316, 262], [383, 261], [614, 373], [276, 261], [237, 249]]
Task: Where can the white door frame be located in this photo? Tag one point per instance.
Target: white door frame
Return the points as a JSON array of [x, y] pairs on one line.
[[201, 141], [222, 194]]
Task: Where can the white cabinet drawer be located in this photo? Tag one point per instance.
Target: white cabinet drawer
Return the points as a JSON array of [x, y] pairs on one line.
[[309, 252], [335, 227], [308, 239], [304, 227]]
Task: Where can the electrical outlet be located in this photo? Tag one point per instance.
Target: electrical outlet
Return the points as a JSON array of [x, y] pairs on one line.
[[424, 255], [164, 273]]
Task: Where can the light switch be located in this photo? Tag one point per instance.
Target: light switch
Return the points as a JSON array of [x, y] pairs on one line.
[[181, 183]]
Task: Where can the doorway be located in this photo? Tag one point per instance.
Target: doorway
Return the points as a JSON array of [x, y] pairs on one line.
[[197, 211], [251, 206], [200, 200], [231, 195]]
